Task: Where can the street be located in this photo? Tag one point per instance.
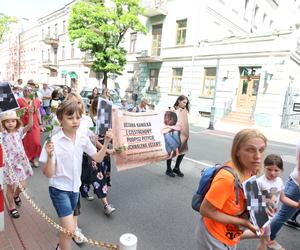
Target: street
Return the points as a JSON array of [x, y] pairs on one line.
[[155, 207]]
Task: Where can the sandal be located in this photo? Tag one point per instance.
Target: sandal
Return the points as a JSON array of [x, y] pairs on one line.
[[17, 201], [14, 213]]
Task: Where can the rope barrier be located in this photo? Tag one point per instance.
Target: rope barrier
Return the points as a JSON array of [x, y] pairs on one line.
[[95, 243]]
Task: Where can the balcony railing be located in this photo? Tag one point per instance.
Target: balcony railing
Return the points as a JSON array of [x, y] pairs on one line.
[[144, 57], [50, 65], [87, 60], [154, 7], [51, 39]]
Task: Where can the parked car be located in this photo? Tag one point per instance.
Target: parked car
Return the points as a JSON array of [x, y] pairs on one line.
[[85, 92]]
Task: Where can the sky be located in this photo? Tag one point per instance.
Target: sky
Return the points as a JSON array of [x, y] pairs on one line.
[[30, 9]]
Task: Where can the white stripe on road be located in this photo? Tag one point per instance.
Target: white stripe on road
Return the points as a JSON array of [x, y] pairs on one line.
[[198, 162], [231, 137]]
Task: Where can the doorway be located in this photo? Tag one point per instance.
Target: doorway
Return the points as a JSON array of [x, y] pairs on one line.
[[247, 94]]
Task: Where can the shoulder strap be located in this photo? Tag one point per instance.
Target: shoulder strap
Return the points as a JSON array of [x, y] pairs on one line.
[[237, 183]]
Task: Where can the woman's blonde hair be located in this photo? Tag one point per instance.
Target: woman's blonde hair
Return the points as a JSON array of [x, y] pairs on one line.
[[239, 140], [78, 98]]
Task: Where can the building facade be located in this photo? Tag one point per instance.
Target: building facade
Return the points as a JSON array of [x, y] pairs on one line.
[[238, 56]]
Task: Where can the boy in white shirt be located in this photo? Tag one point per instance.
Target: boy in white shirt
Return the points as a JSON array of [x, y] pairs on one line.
[[62, 159]]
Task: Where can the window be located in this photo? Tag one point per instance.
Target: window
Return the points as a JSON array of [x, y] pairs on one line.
[[55, 56], [209, 82], [48, 31], [42, 56], [176, 81], [72, 50], [181, 32], [55, 30], [64, 26], [153, 79], [256, 10], [132, 42], [271, 24], [43, 35], [264, 18], [156, 39], [48, 55], [63, 52]]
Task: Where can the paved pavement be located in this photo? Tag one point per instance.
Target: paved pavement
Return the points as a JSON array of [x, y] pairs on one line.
[[33, 232]]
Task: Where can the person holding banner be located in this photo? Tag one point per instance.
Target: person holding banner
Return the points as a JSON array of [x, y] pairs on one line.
[[62, 163], [16, 165], [182, 103], [31, 141]]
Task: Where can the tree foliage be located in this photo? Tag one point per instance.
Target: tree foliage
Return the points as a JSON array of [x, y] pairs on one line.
[[5, 21], [100, 26]]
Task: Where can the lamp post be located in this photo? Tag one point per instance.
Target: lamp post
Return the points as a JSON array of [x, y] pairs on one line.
[[213, 106]]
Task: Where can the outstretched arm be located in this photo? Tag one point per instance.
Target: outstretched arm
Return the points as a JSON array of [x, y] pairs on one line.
[[287, 201], [30, 122], [98, 157]]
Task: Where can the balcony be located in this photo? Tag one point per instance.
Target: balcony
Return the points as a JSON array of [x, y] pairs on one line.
[[154, 7], [87, 60], [49, 65], [146, 58], [52, 40]]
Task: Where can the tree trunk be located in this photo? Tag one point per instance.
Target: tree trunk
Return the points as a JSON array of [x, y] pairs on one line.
[[104, 81]]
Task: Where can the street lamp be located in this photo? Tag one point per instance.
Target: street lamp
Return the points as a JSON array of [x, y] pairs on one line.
[[213, 106]]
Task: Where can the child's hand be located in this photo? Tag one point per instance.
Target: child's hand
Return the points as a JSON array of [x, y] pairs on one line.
[[49, 148], [110, 151], [108, 135]]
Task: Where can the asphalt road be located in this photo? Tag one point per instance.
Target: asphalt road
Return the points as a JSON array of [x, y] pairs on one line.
[[155, 207]]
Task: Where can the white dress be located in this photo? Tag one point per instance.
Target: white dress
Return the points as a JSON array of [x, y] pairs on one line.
[[15, 157]]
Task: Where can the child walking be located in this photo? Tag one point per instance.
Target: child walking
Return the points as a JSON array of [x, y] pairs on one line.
[[15, 160], [62, 160], [271, 186]]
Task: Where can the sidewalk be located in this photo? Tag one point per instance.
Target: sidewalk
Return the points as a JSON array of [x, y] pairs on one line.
[[32, 232], [273, 134]]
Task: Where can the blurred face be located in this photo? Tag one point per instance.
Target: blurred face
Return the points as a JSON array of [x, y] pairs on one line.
[[251, 153], [182, 103], [95, 91], [27, 92], [272, 172], [70, 123], [10, 124]]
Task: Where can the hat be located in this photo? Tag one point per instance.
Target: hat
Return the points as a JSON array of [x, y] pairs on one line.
[[11, 114], [145, 100], [30, 82]]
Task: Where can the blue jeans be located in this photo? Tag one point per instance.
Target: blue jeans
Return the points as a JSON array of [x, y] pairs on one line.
[[292, 191], [64, 202]]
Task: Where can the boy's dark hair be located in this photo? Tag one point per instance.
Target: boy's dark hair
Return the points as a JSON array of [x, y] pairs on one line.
[[273, 159], [68, 108], [170, 118]]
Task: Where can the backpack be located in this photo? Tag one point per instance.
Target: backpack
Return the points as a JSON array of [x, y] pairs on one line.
[[206, 178]]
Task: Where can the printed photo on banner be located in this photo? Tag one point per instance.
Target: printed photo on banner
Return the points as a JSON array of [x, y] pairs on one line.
[[147, 137], [7, 98], [104, 116], [256, 203]]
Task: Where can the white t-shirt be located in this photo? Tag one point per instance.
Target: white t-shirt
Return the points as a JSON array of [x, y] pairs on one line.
[[68, 160], [271, 189], [295, 173], [46, 92]]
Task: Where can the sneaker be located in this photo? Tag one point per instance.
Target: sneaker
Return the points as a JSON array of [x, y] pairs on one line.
[[170, 173], [293, 224], [274, 245], [178, 172], [109, 209], [89, 197], [80, 239]]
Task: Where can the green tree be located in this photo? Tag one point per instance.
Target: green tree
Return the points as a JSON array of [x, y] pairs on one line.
[[5, 21], [100, 28]]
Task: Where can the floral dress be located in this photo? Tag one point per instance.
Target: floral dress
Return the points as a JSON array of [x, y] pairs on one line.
[[15, 155]]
